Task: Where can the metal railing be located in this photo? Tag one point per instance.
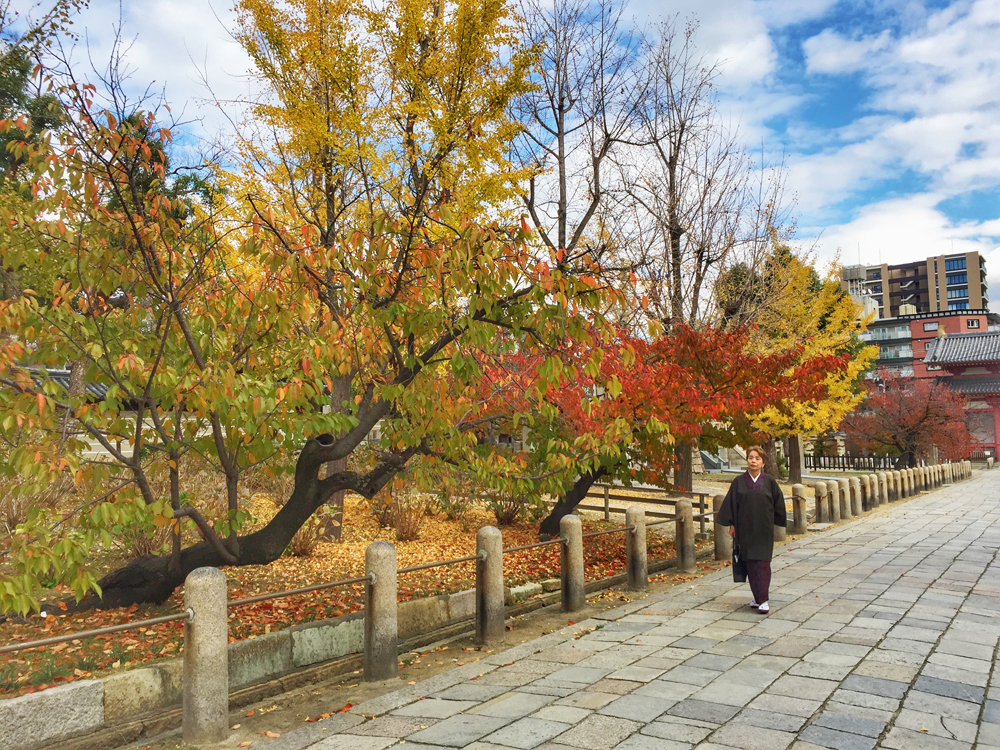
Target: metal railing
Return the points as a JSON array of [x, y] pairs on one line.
[[187, 615]]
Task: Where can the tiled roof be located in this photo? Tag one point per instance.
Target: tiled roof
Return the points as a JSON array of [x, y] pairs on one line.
[[973, 386], [964, 348], [97, 390]]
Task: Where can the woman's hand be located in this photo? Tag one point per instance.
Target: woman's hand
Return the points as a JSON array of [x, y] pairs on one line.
[[732, 531]]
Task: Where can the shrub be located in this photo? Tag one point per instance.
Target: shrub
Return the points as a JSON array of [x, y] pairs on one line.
[[507, 507], [408, 511]]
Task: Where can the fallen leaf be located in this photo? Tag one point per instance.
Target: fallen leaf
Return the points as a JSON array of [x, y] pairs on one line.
[[249, 713], [245, 743], [236, 726]]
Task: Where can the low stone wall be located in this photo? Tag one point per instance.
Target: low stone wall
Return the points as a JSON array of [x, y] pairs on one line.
[[85, 706]]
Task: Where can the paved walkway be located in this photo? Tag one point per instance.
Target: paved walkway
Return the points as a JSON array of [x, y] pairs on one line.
[[882, 633]]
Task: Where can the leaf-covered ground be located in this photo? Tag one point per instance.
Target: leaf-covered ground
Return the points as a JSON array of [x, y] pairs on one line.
[[439, 539]]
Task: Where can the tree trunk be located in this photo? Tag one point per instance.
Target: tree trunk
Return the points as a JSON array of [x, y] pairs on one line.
[[795, 459], [549, 528], [684, 473], [152, 579], [771, 459], [334, 528]]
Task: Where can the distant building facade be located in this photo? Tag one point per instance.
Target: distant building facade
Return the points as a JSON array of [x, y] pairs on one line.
[[940, 283], [903, 341]]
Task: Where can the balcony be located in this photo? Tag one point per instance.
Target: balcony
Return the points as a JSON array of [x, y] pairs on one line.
[[886, 353]]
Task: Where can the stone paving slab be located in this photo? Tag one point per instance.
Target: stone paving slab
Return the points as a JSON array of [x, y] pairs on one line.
[[883, 633]]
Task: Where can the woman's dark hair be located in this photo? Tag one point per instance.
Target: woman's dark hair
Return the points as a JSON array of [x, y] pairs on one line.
[[758, 450]]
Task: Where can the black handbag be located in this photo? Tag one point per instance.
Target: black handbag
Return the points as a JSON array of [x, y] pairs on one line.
[[739, 566]]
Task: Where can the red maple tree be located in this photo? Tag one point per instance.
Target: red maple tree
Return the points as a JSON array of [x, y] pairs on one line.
[[625, 413], [908, 417]]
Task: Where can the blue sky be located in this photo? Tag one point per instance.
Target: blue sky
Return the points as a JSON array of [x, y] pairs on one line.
[[885, 112]]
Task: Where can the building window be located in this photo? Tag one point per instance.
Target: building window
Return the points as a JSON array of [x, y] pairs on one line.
[[958, 278], [972, 323], [962, 291], [877, 289], [930, 326], [958, 305], [955, 265]]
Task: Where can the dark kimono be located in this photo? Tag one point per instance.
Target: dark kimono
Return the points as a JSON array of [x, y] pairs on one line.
[[754, 508]]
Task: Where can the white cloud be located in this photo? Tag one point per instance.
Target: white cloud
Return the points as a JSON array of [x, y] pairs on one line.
[[829, 52], [174, 44], [902, 230]]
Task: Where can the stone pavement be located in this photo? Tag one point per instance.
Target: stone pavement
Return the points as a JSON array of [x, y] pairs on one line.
[[883, 633]]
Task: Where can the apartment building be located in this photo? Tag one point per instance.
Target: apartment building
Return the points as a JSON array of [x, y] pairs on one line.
[[939, 283]]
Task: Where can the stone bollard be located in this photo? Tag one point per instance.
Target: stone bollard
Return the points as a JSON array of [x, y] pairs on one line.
[[819, 515], [684, 535], [873, 481], [635, 549], [381, 631], [206, 658], [844, 493], [897, 487], [857, 502], [798, 509], [865, 492], [833, 500], [911, 483], [571, 564], [923, 479], [489, 586], [723, 542], [883, 488]]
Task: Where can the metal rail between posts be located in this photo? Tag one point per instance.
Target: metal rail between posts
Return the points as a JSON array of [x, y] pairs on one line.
[[547, 542], [303, 590], [608, 531], [441, 563], [187, 615]]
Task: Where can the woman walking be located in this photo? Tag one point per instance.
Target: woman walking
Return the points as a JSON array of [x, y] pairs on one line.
[[752, 508]]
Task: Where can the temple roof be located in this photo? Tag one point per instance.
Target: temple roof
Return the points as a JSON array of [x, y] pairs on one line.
[[964, 348], [973, 386]]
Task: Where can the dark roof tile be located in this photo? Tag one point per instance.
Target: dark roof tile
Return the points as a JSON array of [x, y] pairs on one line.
[[964, 348]]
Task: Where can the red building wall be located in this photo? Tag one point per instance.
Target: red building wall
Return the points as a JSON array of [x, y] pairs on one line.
[[952, 324]]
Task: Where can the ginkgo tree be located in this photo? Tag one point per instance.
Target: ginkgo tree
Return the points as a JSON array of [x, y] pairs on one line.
[[358, 114], [795, 309]]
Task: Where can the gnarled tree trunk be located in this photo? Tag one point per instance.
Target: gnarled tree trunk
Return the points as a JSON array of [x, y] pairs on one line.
[[549, 527], [152, 579]]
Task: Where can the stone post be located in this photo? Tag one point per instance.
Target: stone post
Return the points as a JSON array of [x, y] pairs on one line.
[[571, 564], [833, 500], [873, 481], [844, 493], [883, 487], [206, 658], [911, 483], [635, 549], [924, 485], [856, 500], [379, 660], [723, 542], [798, 509], [820, 516], [867, 492], [897, 486], [489, 586], [684, 535]]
